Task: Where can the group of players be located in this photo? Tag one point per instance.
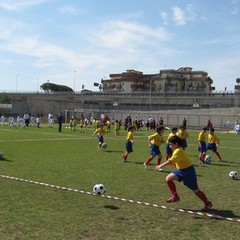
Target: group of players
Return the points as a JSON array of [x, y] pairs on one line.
[[176, 156]]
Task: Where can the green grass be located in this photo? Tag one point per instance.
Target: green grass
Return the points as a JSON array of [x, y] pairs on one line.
[[71, 159]]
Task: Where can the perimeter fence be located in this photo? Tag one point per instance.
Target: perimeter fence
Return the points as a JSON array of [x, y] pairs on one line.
[[224, 121]]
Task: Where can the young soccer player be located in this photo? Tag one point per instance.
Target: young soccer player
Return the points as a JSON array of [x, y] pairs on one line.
[[100, 132], [185, 173], [73, 124], [129, 143], [183, 134], [108, 124], [81, 122], [154, 142], [213, 142], [116, 127], [168, 149], [202, 144]]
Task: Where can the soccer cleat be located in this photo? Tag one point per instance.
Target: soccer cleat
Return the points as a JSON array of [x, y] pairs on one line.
[[160, 169], [173, 199], [207, 206], [145, 165], [124, 157], [201, 162]]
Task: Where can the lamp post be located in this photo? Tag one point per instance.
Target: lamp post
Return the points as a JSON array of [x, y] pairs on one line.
[[16, 82], [37, 84], [47, 86], [75, 72]]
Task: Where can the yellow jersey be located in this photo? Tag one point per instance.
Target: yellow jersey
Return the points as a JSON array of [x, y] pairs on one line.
[[202, 136], [180, 159], [212, 138], [129, 136], [156, 139]]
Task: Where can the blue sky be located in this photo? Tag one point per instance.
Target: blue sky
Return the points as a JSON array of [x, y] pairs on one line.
[[79, 42]]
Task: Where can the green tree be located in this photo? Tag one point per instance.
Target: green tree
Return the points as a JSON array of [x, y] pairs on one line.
[[4, 98], [51, 87]]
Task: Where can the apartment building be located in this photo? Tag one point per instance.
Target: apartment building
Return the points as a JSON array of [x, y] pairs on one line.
[[183, 79]]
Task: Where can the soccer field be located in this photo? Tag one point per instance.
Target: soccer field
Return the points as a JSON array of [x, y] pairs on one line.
[[47, 179]]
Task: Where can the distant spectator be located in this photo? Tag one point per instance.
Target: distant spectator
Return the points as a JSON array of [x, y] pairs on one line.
[[60, 121], [184, 123], [209, 124]]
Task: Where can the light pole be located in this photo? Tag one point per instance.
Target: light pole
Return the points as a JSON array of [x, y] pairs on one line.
[[16, 81], [37, 84], [75, 73]]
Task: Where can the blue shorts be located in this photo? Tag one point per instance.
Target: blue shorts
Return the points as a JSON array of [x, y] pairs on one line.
[[188, 177], [100, 138], [202, 147], [212, 146], [155, 150], [129, 146], [184, 143], [168, 149]]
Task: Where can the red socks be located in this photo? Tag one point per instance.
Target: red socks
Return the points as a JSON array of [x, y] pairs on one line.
[[172, 187], [151, 158], [148, 160], [219, 157], [202, 196]]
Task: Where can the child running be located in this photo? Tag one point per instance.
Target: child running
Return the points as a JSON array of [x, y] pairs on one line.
[[154, 142], [213, 142], [168, 149], [129, 143], [100, 132], [183, 134], [116, 127], [185, 172], [81, 122], [202, 144]]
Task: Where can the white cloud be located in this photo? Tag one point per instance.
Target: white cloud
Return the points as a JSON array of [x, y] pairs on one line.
[[70, 10], [178, 16], [164, 17], [120, 34], [12, 5], [6, 61], [181, 17]]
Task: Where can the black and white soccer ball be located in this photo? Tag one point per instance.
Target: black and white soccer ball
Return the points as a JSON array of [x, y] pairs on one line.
[[208, 159], [233, 175], [104, 145], [99, 189], [1, 155]]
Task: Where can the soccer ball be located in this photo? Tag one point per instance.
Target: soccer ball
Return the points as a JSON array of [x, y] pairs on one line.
[[104, 145], [233, 175], [99, 189], [208, 159], [1, 155]]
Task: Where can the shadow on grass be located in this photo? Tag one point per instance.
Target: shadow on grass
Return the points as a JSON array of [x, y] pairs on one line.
[[111, 151], [193, 155], [220, 214], [220, 164], [225, 161], [223, 164], [111, 207], [5, 160]]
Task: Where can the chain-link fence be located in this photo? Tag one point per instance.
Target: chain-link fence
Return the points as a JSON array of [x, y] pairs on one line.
[[223, 121]]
